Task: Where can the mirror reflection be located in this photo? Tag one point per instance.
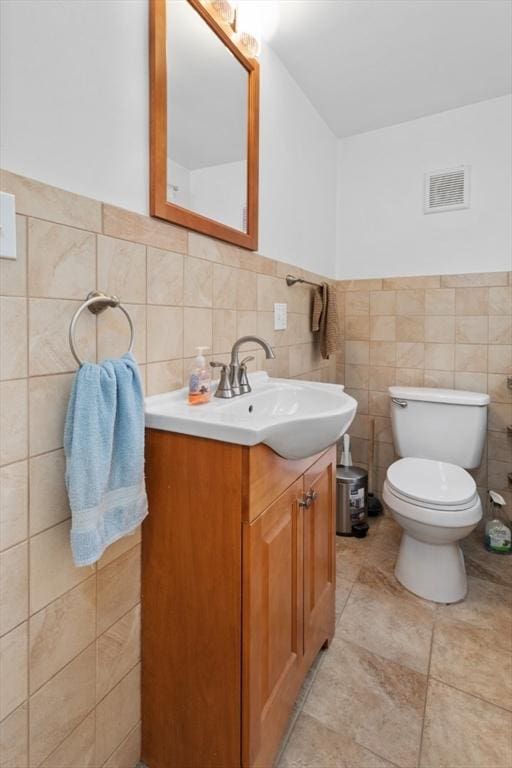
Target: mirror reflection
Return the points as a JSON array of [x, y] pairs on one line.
[[207, 102]]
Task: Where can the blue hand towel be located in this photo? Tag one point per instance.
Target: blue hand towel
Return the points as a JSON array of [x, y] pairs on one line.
[[104, 447]]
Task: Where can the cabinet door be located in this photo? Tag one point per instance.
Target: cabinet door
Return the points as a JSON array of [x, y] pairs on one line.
[[319, 555], [272, 624]]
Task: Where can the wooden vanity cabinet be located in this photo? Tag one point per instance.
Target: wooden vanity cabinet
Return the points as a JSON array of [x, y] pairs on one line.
[[319, 555], [238, 581]]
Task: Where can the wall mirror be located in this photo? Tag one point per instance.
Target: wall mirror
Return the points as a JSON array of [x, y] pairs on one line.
[[204, 124]]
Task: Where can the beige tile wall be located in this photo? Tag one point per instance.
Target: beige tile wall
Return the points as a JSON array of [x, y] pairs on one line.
[[450, 331], [69, 642]]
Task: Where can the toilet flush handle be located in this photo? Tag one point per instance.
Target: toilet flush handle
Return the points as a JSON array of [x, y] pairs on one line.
[[401, 403]]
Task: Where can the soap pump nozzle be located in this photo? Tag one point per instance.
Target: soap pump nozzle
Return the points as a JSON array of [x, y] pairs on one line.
[[200, 358]]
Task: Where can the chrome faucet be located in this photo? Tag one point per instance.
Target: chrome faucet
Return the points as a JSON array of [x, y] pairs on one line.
[[238, 371], [234, 380]]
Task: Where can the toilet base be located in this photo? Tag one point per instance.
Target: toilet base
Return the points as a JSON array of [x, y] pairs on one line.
[[432, 571]]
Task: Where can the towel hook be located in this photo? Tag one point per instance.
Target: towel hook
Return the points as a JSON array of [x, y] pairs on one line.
[[96, 302]]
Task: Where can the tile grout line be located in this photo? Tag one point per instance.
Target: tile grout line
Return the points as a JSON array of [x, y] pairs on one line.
[[132, 730], [97, 637], [67, 591], [44, 607], [420, 746], [88, 230], [291, 726], [138, 663], [343, 289], [93, 709], [384, 658], [59, 745], [28, 654], [89, 645], [295, 716], [381, 757], [72, 371], [48, 681], [22, 704], [472, 695]]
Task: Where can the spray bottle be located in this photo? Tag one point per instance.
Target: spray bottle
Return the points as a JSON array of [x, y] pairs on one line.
[[498, 537]]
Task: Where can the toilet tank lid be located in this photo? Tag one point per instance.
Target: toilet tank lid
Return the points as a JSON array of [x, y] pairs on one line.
[[432, 395]]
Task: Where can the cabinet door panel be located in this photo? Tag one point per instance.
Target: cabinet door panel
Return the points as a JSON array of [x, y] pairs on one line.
[[319, 555], [272, 624], [191, 603]]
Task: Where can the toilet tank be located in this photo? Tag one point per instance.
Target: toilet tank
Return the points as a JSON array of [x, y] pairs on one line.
[[442, 424]]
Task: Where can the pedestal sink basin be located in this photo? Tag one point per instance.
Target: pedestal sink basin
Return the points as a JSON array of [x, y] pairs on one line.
[[295, 418]]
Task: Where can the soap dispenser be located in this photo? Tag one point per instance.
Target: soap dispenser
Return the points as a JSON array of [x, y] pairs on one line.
[[199, 385]]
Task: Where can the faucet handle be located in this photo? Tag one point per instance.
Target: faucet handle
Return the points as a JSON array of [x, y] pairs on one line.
[[245, 387], [224, 388]]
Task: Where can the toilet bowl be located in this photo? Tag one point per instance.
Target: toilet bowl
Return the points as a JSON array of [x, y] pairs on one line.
[[439, 433], [436, 504]]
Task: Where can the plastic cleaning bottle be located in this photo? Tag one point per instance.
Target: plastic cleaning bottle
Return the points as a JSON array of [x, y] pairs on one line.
[[199, 385], [498, 536]]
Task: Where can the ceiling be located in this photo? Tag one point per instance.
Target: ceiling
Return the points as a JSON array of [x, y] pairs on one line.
[[366, 64]]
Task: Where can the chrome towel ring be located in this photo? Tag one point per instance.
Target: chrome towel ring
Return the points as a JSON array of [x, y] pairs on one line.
[[97, 302]]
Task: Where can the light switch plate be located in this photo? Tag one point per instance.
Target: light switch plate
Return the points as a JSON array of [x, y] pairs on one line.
[[7, 226], [280, 317]]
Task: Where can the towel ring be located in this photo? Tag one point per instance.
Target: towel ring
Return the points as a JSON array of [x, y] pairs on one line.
[[96, 303]]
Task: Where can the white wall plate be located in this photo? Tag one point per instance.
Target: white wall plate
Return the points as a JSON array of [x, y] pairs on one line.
[[280, 317]]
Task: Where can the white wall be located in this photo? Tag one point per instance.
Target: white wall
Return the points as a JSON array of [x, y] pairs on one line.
[[381, 228], [74, 91], [178, 176], [297, 173], [220, 192], [217, 191], [74, 113]]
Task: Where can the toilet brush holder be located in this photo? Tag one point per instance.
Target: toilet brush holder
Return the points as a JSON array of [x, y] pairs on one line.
[[375, 507]]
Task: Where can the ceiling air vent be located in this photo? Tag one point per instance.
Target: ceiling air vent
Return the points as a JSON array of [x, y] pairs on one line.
[[447, 190]]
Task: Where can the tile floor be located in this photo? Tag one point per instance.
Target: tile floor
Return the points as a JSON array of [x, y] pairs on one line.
[[407, 683]]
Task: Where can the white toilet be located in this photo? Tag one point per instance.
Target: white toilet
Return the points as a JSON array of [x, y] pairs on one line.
[[440, 433]]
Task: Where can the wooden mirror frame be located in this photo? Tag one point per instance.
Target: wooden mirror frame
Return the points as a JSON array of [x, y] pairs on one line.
[[159, 205]]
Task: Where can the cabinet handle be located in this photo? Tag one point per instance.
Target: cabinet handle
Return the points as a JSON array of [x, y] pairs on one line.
[[308, 498]]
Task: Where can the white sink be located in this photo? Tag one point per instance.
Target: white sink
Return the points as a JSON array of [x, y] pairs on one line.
[[295, 418]]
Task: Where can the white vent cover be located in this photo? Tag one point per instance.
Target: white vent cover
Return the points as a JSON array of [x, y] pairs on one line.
[[447, 190]]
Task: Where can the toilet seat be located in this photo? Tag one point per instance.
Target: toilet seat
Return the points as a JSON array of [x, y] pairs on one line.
[[426, 481], [432, 492]]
